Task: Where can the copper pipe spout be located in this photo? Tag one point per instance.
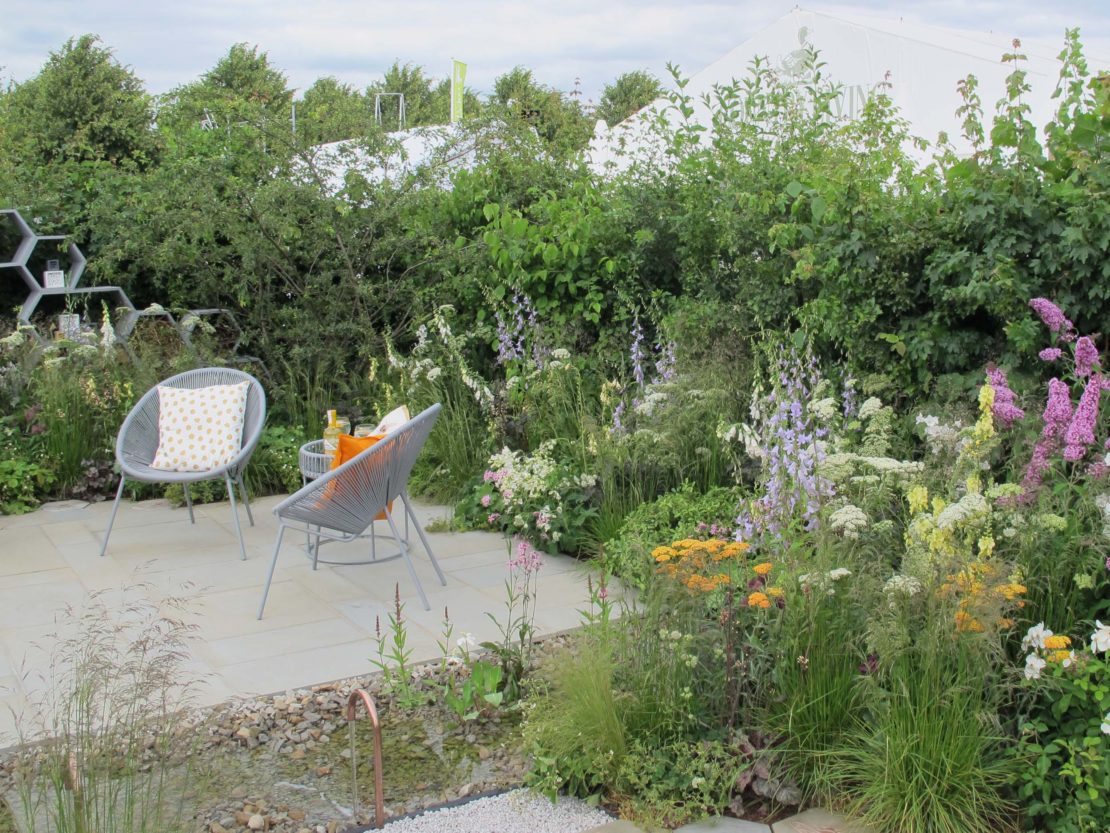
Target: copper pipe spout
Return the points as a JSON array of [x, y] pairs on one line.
[[371, 709]]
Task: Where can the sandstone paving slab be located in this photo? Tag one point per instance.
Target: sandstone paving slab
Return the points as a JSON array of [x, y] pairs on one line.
[[817, 820], [27, 550], [319, 625], [621, 826], [723, 824]]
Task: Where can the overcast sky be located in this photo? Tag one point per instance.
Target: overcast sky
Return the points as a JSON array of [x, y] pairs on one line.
[[171, 43]]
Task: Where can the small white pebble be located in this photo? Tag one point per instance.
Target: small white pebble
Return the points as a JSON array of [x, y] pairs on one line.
[[519, 811]]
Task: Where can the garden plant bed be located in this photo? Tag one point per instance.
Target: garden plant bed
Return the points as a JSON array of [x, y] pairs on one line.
[[285, 761]]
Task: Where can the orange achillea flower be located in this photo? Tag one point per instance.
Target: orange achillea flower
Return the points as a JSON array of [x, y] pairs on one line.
[[967, 622], [764, 568], [733, 550], [1057, 642], [663, 554], [1011, 590], [758, 599]]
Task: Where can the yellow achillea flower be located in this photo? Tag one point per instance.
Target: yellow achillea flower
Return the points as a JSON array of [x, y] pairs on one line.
[[686, 543], [1057, 643], [758, 599], [736, 548], [764, 568], [776, 592], [1062, 656], [918, 498]]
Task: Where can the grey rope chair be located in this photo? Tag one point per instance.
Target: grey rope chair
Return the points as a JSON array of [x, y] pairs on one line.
[[342, 504], [138, 441]]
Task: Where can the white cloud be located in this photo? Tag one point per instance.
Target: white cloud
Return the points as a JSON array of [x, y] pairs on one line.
[[172, 43]]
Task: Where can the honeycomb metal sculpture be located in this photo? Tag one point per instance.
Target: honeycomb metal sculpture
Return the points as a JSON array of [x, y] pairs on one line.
[[129, 315]]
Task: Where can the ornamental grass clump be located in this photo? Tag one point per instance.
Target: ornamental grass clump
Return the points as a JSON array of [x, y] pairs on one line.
[[108, 746]]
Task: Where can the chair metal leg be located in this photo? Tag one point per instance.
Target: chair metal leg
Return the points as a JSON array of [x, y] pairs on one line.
[[270, 575], [112, 520], [423, 538], [408, 561], [235, 517], [188, 502], [246, 497]]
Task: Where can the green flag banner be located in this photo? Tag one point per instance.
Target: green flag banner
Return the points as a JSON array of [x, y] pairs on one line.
[[458, 80]]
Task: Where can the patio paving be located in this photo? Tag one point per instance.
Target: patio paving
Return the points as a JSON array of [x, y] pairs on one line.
[[319, 625]]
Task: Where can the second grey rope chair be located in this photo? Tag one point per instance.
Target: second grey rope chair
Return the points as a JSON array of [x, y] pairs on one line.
[[138, 441], [342, 504]]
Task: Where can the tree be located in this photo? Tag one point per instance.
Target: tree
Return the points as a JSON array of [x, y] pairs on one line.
[[410, 81], [330, 111], [560, 122], [628, 94], [241, 87], [82, 106]]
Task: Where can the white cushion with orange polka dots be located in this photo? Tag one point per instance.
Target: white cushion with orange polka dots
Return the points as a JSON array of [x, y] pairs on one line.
[[199, 429]]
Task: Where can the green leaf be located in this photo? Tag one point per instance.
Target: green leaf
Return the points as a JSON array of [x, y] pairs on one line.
[[794, 189]]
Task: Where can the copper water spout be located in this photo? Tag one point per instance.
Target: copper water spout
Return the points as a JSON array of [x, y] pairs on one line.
[[368, 701]]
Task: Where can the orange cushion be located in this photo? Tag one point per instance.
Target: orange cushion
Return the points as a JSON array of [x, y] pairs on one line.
[[349, 448]]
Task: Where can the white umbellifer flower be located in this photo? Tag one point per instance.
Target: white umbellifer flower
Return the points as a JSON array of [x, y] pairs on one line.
[[849, 520], [560, 353], [1100, 639], [1106, 724], [824, 409], [928, 420], [967, 507], [434, 374], [1035, 637], [839, 573], [870, 407], [1034, 665], [903, 584]]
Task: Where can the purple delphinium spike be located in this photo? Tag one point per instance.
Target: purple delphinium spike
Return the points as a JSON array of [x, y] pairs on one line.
[[792, 454]]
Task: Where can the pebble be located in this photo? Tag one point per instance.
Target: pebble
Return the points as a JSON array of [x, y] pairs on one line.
[[514, 812], [257, 822]]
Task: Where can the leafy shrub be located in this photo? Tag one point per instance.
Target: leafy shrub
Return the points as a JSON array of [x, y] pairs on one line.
[[1062, 752], [274, 467], [683, 513], [532, 495], [22, 484]]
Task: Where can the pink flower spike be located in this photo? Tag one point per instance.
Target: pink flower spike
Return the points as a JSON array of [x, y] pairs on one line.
[[1004, 409], [1053, 318], [1086, 357], [1081, 432], [1050, 354]]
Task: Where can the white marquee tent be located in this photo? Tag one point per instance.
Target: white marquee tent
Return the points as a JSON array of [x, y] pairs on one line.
[[922, 64]]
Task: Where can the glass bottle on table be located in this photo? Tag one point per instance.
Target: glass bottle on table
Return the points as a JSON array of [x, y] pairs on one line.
[[331, 435]]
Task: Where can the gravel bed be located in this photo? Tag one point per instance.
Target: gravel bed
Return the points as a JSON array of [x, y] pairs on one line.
[[518, 811]]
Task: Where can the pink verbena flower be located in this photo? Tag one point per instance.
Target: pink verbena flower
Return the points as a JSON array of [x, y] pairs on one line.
[[1053, 318], [1050, 354], [1081, 431], [1086, 357], [485, 500], [1004, 409]]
